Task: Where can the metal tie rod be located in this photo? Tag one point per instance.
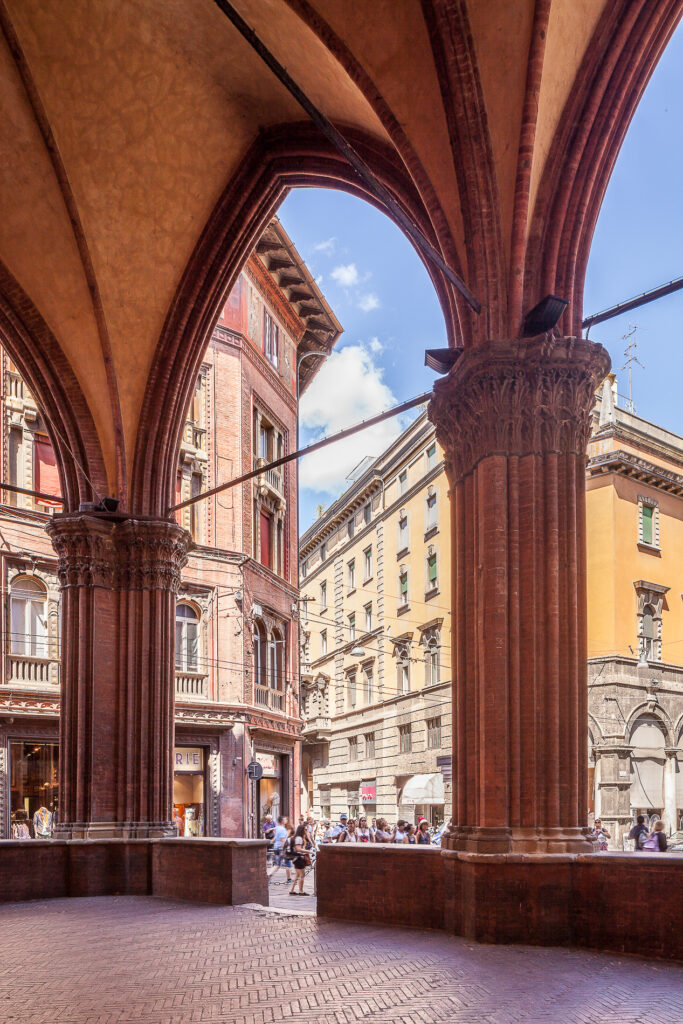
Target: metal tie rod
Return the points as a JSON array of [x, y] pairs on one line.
[[305, 451], [639, 300], [349, 154], [34, 494]]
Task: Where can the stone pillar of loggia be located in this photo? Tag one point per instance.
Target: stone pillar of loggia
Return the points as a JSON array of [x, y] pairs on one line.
[[514, 421], [119, 580]]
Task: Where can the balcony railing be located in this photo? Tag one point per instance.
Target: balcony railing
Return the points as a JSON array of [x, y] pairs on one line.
[[267, 698], [193, 435], [191, 684], [25, 670], [272, 478]]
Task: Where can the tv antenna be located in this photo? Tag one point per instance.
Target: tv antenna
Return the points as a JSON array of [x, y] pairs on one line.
[[631, 358]]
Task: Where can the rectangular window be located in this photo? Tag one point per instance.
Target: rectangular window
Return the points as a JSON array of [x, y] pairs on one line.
[[647, 524], [432, 581], [368, 686], [403, 482], [403, 588], [405, 739], [352, 626], [353, 748], [271, 339], [46, 475], [350, 528], [369, 744], [351, 574], [367, 514], [323, 552], [266, 539], [403, 679], [367, 564], [434, 732], [431, 457], [367, 609], [403, 533], [323, 595], [351, 687], [430, 519], [323, 641], [304, 569]]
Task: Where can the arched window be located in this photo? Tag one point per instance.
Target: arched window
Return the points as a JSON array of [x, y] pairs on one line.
[[28, 618], [648, 632], [186, 638], [259, 653], [647, 766], [276, 660], [432, 661]]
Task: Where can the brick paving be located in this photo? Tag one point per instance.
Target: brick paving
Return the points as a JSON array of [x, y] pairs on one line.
[[116, 960]]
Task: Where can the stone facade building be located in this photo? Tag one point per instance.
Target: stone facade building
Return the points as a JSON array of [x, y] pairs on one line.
[[236, 632], [376, 673], [376, 676]]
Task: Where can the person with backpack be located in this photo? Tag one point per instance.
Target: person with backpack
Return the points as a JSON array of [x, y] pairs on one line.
[[638, 833], [656, 841], [295, 848], [282, 831]]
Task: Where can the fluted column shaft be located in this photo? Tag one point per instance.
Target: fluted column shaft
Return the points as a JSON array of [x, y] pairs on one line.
[[514, 421], [119, 580]]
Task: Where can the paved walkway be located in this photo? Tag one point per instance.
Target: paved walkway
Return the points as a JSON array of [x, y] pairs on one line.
[[116, 960], [278, 892]]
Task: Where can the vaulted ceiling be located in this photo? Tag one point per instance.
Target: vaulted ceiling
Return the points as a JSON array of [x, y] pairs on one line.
[[128, 127]]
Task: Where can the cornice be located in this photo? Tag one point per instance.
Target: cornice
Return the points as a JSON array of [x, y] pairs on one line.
[[636, 468], [263, 280]]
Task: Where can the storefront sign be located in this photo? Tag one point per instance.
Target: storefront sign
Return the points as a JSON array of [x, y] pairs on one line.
[[270, 764], [368, 792], [188, 759]]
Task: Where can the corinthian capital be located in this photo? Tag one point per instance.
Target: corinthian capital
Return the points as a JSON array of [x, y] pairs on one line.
[[517, 398]]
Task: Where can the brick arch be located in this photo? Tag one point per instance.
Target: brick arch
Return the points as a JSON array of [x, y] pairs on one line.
[[620, 59], [291, 157], [48, 373]]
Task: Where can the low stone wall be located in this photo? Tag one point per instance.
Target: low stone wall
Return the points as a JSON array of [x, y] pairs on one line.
[[630, 903], [384, 884], [223, 871]]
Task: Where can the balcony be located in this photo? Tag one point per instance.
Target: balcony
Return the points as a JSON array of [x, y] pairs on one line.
[[194, 437], [191, 685], [267, 698], [15, 385], [23, 670], [270, 480]]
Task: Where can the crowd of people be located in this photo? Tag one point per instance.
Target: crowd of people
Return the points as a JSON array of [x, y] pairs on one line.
[[293, 849]]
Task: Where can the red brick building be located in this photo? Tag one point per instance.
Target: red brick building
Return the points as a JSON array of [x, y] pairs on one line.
[[237, 670]]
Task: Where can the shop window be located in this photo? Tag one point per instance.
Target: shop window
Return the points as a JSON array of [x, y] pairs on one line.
[[405, 739], [189, 787], [367, 612], [186, 638], [367, 564], [28, 599], [34, 788], [271, 339], [648, 522], [353, 748], [369, 744], [434, 732]]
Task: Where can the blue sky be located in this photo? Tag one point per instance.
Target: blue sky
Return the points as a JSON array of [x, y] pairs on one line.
[[382, 295]]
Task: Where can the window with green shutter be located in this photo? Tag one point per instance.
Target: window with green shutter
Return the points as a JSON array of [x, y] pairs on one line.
[[647, 520], [431, 570]]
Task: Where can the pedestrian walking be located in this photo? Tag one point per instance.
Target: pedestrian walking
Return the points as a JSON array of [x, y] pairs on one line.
[[279, 836], [423, 836], [656, 841], [638, 833], [300, 859], [365, 833]]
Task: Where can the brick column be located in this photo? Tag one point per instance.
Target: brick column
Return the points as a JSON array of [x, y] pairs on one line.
[[513, 419], [119, 580]]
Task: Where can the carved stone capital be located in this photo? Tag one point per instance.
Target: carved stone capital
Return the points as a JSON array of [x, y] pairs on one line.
[[130, 554], [517, 398]]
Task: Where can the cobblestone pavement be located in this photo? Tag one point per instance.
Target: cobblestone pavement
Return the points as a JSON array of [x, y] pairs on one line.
[[116, 960]]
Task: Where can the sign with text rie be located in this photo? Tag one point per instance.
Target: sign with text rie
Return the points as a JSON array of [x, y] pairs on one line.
[[188, 759]]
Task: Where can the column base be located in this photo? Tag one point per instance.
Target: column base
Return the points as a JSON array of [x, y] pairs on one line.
[[115, 830], [478, 839]]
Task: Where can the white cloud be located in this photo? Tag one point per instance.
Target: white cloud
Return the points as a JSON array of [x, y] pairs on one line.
[[368, 302], [376, 346], [346, 275], [348, 388], [327, 247]]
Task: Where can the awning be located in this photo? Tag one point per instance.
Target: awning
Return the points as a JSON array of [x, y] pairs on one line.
[[424, 789]]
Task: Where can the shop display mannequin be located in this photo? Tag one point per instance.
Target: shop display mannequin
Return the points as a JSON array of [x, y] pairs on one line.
[[42, 823]]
